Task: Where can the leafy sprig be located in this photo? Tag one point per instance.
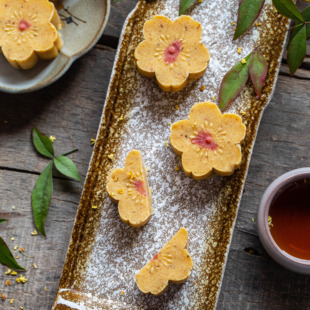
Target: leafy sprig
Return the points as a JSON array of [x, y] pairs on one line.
[[185, 5], [42, 192], [254, 66], [6, 256]]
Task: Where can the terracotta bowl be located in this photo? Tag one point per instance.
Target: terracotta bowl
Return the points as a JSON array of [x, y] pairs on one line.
[[286, 260]]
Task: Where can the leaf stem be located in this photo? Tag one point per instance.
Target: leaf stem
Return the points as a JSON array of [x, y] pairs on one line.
[[279, 34], [68, 153]]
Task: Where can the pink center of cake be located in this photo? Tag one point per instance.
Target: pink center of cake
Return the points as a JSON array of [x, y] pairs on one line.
[[155, 257], [139, 185], [23, 25], [172, 52], [205, 140]]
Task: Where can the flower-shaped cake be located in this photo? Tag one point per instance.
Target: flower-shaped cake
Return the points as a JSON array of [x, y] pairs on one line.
[[129, 187], [171, 264], [29, 31], [209, 141], [172, 52]]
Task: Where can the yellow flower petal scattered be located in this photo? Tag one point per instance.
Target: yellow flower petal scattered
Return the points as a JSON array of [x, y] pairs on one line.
[[52, 138], [92, 141], [21, 279], [243, 61]]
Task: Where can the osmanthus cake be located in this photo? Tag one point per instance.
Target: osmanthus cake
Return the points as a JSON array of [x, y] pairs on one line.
[[29, 31], [172, 264], [208, 142], [128, 186], [172, 52]]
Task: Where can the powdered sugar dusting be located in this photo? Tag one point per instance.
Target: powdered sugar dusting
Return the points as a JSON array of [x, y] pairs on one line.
[[178, 201]]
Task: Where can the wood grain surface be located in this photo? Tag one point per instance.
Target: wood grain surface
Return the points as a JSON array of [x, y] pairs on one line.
[[70, 110]]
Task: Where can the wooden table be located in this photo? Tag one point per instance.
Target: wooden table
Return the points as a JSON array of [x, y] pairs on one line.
[[70, 110]]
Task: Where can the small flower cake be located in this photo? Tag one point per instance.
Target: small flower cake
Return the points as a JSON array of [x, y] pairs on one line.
[[209, 141], [171, 264], [29, 31], [129, 187], [172, 52]]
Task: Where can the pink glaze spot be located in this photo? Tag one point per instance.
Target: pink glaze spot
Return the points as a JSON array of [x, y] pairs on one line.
[[172, 52], [23, 25], [205, 140], [139, 185], [155, 257], [171, 49]]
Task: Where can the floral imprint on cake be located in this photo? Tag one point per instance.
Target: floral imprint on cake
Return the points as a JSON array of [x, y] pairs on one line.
[[172, 52], [29, 31], [128, 186], [172, 264], [208, 142]]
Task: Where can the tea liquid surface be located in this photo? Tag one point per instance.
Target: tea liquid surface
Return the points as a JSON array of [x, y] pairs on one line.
[[290, 219]]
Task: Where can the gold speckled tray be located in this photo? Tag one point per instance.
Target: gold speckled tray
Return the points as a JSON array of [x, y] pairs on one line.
[[104, 253]]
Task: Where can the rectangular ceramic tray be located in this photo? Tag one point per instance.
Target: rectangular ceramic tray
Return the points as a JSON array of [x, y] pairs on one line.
[[105, 253]]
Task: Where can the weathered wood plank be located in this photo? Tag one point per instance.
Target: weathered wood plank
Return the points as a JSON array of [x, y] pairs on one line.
[[49, 254], [118, 14]]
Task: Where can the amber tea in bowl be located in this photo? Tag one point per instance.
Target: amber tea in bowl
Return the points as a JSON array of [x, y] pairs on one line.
[[283, 220]]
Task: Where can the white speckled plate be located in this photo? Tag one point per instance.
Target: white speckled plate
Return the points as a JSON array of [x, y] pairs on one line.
[[84, 22]]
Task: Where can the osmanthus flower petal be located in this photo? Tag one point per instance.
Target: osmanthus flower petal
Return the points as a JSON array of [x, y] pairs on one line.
[[172, 52]]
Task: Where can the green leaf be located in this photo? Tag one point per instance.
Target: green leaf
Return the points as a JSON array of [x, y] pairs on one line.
[[298, 24], [288, 9], [184, 5], [233, 82], [2, 220], [42, 143], [248, 12], [41, 197], [67, 167], [6, 257], [306, 15], [297, 50], [258, 71]]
